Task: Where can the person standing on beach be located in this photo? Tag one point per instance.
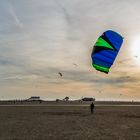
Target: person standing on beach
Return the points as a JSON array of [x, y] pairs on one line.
[[92, 107]]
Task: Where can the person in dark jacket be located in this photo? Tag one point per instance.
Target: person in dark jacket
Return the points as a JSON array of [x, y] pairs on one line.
[[92, 107]]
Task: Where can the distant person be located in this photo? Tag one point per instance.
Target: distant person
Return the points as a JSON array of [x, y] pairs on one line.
[[92, 107], [40, 101]]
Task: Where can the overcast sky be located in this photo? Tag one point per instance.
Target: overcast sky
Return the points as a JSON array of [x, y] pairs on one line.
[[39, 38]]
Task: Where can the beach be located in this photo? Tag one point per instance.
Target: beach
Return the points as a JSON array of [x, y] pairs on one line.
[[69, 123]]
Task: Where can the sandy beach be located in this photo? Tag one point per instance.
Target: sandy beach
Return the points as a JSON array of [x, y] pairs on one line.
[[69, 123]]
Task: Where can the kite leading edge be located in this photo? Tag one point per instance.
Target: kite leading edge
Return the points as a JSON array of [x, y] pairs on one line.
[[105, 50]]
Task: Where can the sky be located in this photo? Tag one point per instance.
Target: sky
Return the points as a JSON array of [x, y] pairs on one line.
[[40, 38]]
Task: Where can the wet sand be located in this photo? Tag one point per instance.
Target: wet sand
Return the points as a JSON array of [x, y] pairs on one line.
[[69, 123]]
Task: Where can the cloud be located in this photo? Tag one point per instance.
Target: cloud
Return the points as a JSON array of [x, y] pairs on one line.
[[41, 38], [13, 14]]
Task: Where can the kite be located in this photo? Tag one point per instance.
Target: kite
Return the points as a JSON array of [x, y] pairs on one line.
[[105, 50], [75, 64], [60, 74]]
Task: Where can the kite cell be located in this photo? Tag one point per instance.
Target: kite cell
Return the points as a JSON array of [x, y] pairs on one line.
[[105, 50]]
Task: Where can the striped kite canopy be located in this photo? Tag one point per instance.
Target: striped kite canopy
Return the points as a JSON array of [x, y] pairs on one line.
[[105, 50]]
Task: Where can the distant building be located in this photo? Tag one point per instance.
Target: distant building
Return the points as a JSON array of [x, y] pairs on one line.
[[57, 100], [66, 99], [88, 99], [34, 98]]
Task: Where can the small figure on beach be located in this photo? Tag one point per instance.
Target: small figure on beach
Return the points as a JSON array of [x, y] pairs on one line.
[[92, 107]]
